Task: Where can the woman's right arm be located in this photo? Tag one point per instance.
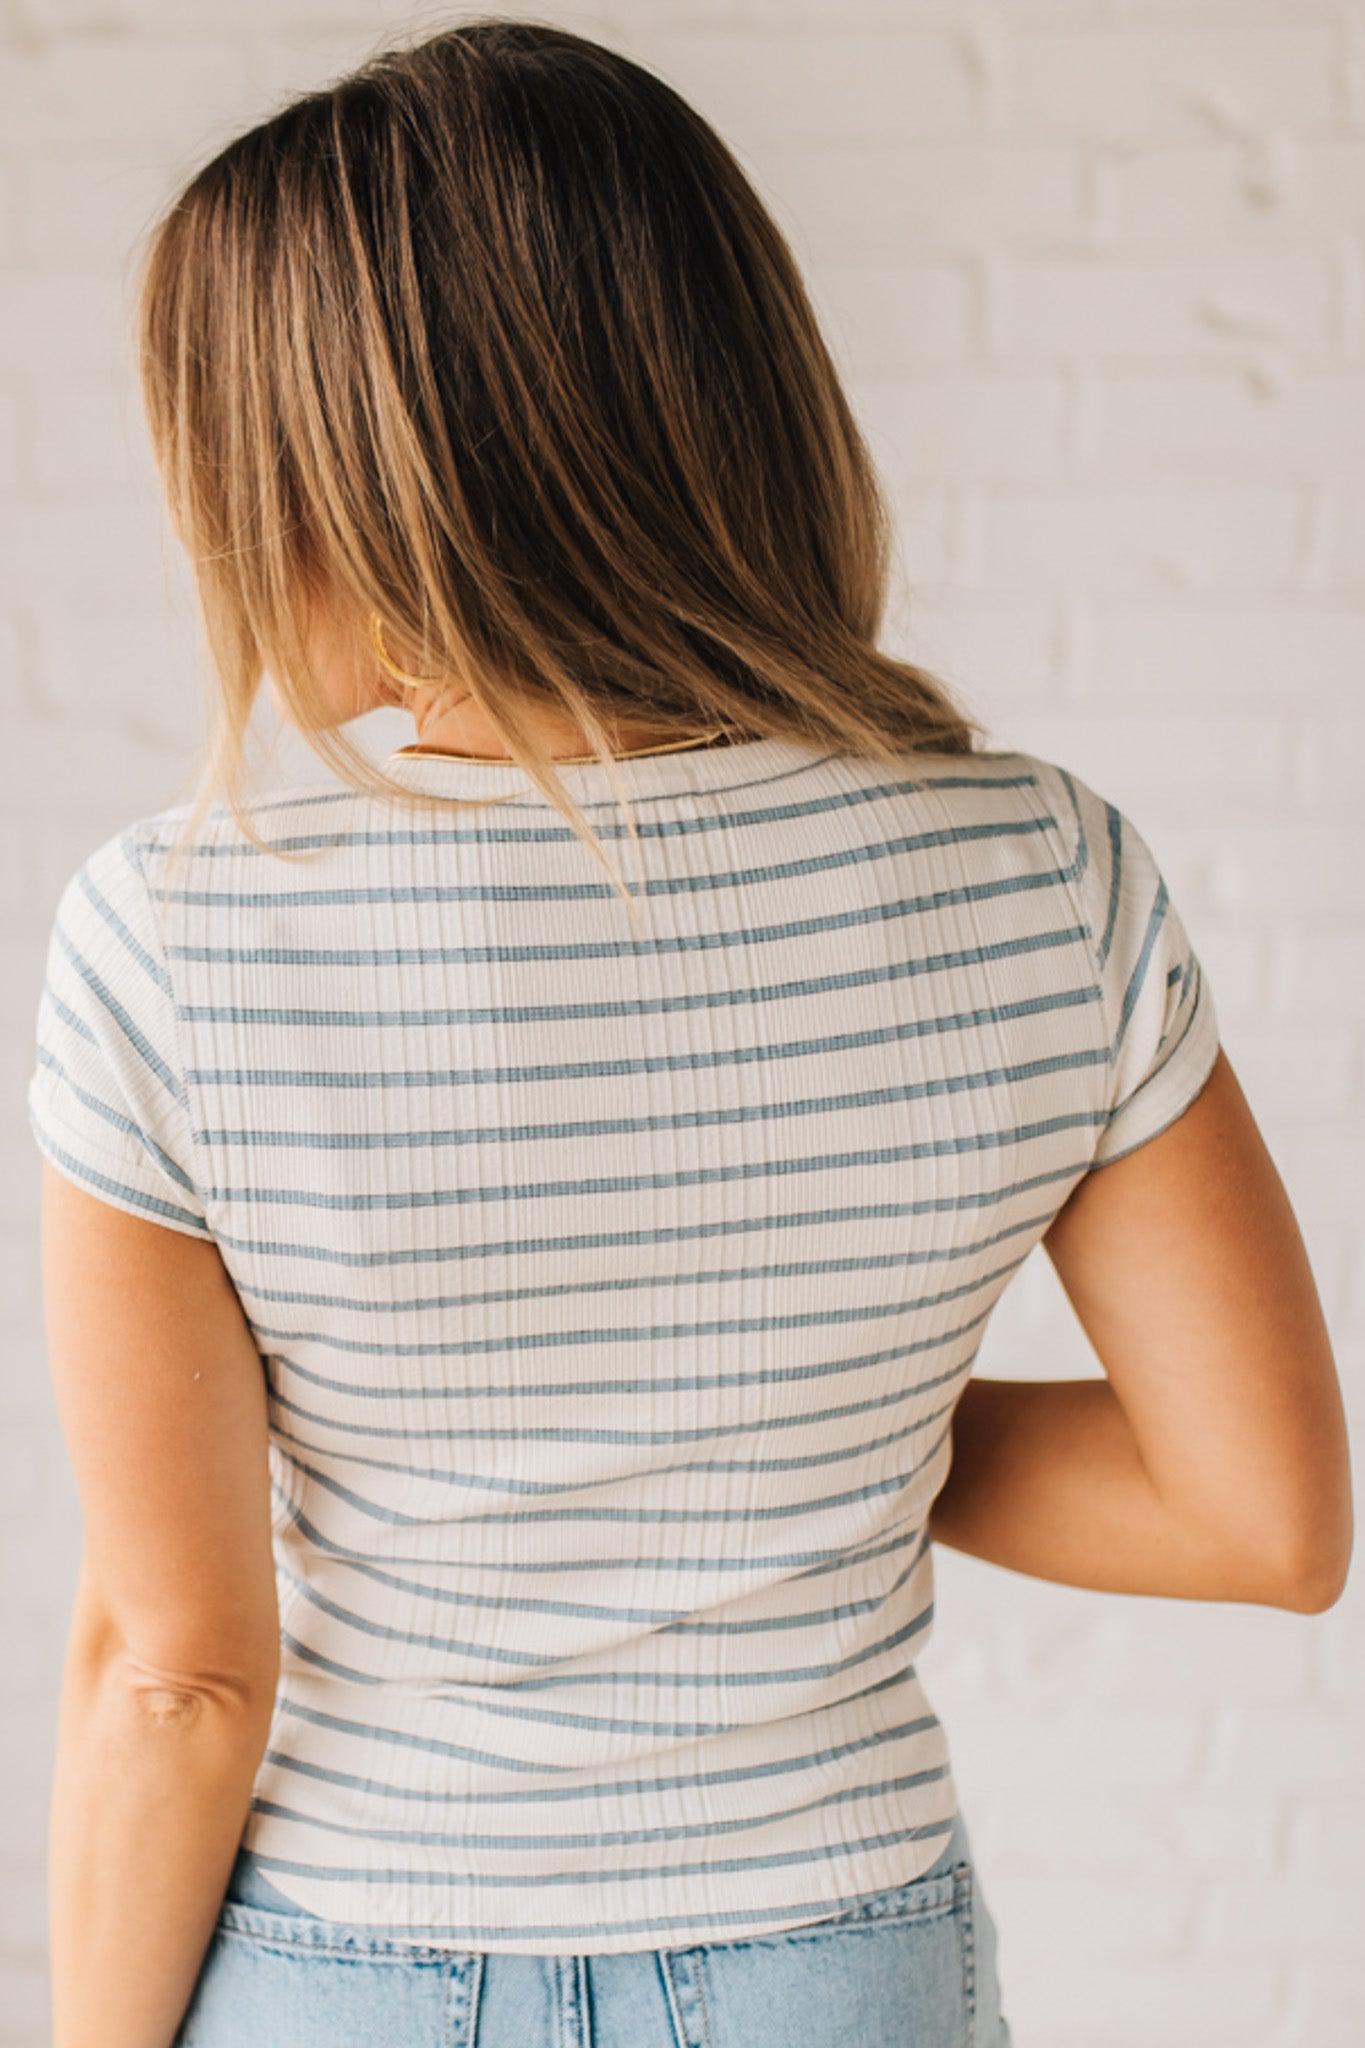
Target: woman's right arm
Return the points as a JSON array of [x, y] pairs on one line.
[[1211, 1462]]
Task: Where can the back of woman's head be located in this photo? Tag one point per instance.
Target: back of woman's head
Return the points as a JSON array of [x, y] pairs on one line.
[[493, 337]]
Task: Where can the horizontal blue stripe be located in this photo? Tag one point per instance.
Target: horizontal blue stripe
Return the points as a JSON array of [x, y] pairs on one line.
[[650, 1516], [434, 1745], [775, 1860], [668, 1625], [663, 1620], [613, 1681], [674, 1233], [706, 881], [485, 1482], [815, 1162], [502, 1702], [570, 1334], [708, 999], [608, 1838], [661, 1383], [626, 1283], [620, 1788], [744, 1425], [620, 1067], [332, 1140], [799, 1565]]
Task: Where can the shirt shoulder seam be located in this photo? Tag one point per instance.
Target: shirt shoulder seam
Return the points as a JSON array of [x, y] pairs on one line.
[[135, 847], [1072, 866]]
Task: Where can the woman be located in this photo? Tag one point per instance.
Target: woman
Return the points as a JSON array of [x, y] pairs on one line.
[[519, 1219]]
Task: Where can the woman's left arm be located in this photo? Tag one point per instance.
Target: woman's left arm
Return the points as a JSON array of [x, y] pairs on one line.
[[174, 1651]]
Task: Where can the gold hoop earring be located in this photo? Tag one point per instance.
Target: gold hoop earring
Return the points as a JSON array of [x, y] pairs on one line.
[[387, 662]]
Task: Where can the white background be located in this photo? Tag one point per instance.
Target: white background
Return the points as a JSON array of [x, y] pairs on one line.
[[1095, 274]]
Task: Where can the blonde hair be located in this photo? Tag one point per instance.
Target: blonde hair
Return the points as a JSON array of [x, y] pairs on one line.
[[494, 338]]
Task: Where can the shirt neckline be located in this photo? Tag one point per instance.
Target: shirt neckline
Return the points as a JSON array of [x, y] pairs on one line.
[[645, 775]]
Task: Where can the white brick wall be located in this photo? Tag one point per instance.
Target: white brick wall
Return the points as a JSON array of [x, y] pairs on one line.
[[1095, 270]]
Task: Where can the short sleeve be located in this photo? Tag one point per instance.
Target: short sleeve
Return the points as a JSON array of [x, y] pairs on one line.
[[1158, 1008], [106, 1102]]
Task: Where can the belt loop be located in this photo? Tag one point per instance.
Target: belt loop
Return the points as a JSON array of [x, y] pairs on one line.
[[475, 1996], [571, 1988]]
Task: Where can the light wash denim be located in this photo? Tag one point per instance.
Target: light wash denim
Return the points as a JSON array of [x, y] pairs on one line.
[[910, 1967]]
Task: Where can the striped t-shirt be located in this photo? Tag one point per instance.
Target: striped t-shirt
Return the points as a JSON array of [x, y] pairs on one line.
[[614, 1283]]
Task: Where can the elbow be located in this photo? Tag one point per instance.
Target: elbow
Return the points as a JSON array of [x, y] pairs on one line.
[[171, 1694], [1314, 1592], [1307, 1567], [1315, 1579]]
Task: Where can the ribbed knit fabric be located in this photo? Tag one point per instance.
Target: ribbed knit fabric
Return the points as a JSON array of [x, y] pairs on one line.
[[615, 1286]]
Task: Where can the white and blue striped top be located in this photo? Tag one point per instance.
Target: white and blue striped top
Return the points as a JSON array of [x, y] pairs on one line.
[[615, 1284]]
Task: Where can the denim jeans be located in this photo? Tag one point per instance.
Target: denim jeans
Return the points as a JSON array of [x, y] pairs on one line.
[[910, 1967]]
